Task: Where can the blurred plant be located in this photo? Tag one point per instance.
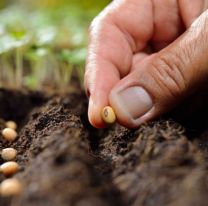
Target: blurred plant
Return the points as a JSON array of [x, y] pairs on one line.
[[41, 47], [20, 39]]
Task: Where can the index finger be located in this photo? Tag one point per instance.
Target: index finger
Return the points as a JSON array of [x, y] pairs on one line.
[[122, 29]]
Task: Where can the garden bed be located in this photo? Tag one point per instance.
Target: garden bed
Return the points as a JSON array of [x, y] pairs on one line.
[[64, 161]]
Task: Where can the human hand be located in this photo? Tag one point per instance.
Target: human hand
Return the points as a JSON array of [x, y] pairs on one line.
[[144, 57]]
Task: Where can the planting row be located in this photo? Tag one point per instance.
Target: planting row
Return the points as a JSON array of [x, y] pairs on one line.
[[10, 186]]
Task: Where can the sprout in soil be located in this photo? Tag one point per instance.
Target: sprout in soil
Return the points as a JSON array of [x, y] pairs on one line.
[[77, 59], [65, 68], [45, 29], [7, 71], [36, 57], [20, 39], [15, 38]]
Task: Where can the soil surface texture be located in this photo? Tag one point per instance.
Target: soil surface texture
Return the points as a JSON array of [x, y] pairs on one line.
[[65, 162]]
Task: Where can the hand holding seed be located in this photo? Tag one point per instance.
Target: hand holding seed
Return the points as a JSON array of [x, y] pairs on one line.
[[143, 67]]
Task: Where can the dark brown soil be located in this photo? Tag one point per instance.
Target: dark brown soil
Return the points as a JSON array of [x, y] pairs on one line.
[[64, 161]]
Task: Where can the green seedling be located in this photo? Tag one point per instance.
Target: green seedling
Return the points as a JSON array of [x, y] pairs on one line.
[[51, 40], [77, 59], [20, 39], [65, 68]]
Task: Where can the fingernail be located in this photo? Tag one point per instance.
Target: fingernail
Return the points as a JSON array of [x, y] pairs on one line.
[[135, 100]]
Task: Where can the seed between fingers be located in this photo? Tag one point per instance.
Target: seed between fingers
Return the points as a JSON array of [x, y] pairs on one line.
[[108, 115]]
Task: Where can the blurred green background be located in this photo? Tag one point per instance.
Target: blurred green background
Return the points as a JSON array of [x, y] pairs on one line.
[[43, 41]]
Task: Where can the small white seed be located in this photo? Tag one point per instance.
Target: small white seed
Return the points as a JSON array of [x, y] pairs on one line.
[[9, 134], [11, 187], [108, 115], [9, 168], [8, 154], [11, 125]]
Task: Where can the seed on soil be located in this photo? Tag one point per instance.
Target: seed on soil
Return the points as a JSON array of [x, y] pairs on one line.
[[9, 134], [8, 154], [11, 187], [9, 168], [11, 125], [108, 115]]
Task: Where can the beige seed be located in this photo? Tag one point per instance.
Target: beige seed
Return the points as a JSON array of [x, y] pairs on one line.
[[9, 134], [8, 154], [108, 115], [11, 124], [11, 187], [9, 168]]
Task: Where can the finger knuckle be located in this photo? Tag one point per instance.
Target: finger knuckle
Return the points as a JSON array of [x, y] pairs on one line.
[[168, 73], [99, 22], [199, 31]]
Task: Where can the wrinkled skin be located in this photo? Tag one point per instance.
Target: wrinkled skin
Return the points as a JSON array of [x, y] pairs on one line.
[[158, 45]]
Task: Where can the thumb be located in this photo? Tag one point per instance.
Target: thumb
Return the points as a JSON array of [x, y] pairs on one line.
[[162, 80]]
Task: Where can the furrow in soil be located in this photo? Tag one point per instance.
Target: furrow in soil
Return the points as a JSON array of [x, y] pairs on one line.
[[64, 161]]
